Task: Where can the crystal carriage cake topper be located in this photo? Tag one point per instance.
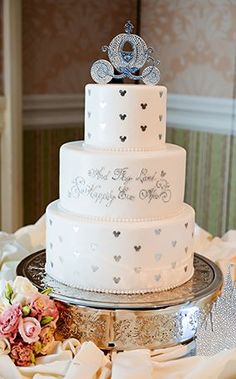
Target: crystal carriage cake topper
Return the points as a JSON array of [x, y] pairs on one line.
[[127, 53]]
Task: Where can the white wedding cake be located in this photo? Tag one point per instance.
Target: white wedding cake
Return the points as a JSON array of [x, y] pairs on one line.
[[121, 224]]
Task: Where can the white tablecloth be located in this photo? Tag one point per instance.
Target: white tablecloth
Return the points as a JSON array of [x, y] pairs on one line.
[[72, 361]]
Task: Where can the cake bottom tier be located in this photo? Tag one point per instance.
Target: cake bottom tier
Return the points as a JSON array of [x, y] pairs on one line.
[[119, 257]]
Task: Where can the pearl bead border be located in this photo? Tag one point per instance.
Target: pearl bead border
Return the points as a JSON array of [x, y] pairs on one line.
[[89, 147], [92, 218], [123, 292]]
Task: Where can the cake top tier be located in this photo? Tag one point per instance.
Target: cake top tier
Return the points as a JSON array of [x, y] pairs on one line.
[[125, 116]]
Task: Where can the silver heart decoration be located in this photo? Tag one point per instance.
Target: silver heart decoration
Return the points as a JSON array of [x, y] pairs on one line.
[[158, 256], [116, 280], [173, 265], [157, 277], [75, 228], [137, 270], [117, 258], [143, 127], [93, 246], [76, 253], [174, 243], [157, 232], [94, 268], [103, 104], [116, 233], [122, 92], [122, 116], [143, 105]]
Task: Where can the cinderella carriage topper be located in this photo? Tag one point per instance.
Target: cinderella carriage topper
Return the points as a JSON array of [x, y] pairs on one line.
[[126, 62]]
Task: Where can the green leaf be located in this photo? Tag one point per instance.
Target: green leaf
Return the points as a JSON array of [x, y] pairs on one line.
[[8, 292], [46, 320], [37, 347], [26, 310], [47, 291], [33, 360]]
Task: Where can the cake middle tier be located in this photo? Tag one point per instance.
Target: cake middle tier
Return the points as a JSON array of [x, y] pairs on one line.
[[122, 185]]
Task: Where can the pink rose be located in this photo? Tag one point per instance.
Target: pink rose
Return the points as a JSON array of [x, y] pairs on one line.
[[29, 329], [9, 321], [46, 338], [42, 305], [22, 354]]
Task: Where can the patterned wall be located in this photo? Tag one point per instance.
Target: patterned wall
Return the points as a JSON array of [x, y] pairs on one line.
[[1, 48], [196, 41], [60, 40], [41, 167], [231, 206], [207, 184], [196, 44], [62, 37]]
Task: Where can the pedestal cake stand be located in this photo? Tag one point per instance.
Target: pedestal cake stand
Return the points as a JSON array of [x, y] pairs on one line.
[[123, 322]]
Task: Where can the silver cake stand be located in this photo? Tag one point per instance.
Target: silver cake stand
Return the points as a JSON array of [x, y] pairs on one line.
[[123, 322]]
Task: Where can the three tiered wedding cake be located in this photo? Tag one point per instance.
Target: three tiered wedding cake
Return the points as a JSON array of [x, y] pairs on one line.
[[120, 224]]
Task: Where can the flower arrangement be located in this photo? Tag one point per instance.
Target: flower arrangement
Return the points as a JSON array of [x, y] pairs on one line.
[[27, 321]]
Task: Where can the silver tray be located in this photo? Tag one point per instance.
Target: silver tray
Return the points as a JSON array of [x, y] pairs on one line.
[[153, 320]]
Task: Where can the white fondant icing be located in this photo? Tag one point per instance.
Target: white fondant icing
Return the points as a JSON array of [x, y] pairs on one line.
[[114, 115], [136, 269], [120, 225], [125, 186]]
